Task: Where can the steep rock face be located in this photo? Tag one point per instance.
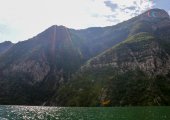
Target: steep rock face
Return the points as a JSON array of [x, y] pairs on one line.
[[146, 55], [40, 64]]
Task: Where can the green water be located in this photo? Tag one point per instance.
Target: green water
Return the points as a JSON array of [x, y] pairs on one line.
[[82, 113]]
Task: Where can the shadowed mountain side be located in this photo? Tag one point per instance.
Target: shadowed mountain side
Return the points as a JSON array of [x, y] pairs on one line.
[[93, 41], [31, 70]]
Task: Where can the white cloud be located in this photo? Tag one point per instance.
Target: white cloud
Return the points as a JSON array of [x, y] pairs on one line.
[[128, 9], [26, 18]]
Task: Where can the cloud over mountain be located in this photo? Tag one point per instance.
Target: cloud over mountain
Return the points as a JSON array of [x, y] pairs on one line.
[[21, 16]]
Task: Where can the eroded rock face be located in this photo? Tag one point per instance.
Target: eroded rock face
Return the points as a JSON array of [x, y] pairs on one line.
[[148, 57], [37, 70], [135, 72], [38, 66]]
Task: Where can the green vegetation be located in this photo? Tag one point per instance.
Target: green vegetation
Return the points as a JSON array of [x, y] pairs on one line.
[[132, 88], [100, 81]]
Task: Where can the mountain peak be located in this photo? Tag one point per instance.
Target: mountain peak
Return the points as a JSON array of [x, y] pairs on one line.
[[57, 27], [54, 33], [157, 9], [6, 42], [156, 13]]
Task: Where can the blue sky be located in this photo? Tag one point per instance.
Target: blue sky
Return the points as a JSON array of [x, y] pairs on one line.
[[163, 4], [23, 19]]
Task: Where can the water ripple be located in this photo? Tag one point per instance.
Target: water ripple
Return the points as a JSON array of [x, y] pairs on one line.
[[83, 113]]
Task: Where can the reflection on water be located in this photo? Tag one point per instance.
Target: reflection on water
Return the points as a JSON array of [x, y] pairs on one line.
[[82, 113]]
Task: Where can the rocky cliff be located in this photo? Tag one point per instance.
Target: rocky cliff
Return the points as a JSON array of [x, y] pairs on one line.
[[31, 70]]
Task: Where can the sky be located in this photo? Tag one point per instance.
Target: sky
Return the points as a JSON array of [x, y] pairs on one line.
[[23, 19]]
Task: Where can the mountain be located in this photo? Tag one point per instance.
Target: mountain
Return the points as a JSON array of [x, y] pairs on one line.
[[31, 70], [5, 46], [134, 72], [98, 39], [124, 64]]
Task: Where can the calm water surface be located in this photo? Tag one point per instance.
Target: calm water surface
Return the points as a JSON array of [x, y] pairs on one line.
[[82, 113]]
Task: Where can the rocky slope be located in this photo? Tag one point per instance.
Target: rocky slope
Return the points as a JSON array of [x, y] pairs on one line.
[[31, 70], [133, 72]]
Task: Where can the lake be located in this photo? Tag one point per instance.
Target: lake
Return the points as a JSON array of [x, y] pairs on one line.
[[83, 113]]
